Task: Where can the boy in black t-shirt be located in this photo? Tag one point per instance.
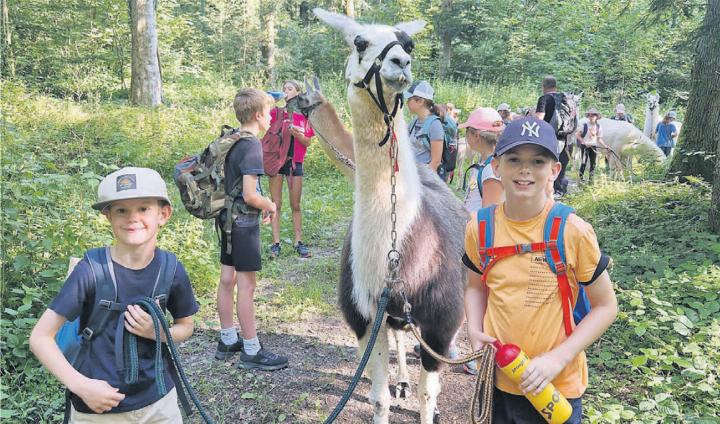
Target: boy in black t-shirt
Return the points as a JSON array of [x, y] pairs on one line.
[[244, 165], [135, 202]]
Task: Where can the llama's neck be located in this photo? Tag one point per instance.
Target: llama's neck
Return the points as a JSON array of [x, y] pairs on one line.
[[371, 237], [652, 117], [373, 167]]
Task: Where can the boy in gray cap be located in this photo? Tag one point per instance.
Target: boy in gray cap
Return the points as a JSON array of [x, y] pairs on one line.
[[519, 299], [136, 204]]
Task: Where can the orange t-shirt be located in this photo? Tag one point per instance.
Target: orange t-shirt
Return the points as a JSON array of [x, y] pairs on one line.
[[523, 300]]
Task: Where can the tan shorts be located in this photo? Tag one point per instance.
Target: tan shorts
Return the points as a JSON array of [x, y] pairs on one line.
[[164, 410]]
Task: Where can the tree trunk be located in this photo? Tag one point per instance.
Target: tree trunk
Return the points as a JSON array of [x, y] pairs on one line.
[[701, 129], [446, 40], [145, 81], [715, 201], [267, 47], [350, 8], [7, 38]]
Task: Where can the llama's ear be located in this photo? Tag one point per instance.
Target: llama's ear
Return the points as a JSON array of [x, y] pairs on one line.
[[340, 22], [411, 28]]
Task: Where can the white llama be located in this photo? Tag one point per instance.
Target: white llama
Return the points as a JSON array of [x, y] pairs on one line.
[[626, 141], [652, 114], [430, 220]]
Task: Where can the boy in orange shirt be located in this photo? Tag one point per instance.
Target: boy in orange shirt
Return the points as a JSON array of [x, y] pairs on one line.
[[518, 301]]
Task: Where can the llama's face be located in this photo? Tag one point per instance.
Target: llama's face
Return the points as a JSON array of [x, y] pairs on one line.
[[367, 43], [652, 101], [311, 97]]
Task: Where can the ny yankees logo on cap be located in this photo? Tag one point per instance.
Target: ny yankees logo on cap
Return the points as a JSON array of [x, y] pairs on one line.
[[532, 128]]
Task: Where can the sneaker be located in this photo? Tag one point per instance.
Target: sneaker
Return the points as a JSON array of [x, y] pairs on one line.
[[224, 351], [302, 250], [274, 250], [264, 360]]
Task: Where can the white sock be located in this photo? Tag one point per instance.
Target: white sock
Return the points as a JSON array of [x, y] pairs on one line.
[[251, 346], [229, 335]]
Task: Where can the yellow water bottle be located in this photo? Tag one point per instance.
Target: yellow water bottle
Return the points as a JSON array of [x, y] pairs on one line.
[[550, 403]]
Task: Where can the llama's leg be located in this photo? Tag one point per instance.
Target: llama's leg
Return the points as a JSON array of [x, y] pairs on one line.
[[428, 391], [378, 372], [403, 381]]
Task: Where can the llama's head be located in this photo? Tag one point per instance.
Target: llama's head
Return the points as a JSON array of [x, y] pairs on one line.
[[311, 98], [368, 42], [652, 101]]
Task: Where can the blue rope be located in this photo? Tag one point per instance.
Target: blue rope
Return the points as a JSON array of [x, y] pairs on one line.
[[158, 318], [382, 305]]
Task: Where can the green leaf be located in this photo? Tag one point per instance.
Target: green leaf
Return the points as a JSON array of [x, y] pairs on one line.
[[681, 328], [647, 405], [21, 262], [249, 395], [639, 360], [627, 414], [640, 330]]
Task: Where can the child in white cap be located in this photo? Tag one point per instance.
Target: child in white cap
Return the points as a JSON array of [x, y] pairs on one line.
[[136, 204]]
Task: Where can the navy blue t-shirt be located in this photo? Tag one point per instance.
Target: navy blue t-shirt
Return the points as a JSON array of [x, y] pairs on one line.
[[244, 158], [76, 298]]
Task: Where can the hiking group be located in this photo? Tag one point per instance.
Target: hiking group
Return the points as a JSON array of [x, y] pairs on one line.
[[531, 262]]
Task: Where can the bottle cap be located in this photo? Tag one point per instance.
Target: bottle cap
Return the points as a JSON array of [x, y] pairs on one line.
[[506, 353]]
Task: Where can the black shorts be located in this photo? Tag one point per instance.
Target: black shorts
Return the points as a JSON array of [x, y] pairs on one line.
[[509, 408], [245, 254], [297, 172]]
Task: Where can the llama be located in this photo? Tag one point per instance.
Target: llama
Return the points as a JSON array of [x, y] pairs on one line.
[[626, 141], [652, 114], [430, 221], [335, 140]]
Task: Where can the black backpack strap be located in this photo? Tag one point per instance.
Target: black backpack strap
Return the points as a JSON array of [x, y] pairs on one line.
[[104, 306], [467, 171], [105, 292], [165, 277]]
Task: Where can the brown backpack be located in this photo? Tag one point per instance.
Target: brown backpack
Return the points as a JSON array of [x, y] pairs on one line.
[[276, 143]]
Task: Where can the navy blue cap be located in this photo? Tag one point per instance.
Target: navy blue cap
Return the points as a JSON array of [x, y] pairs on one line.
[[528, 130]]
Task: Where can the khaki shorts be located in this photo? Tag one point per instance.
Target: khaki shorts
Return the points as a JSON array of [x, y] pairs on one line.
[[164, 410]]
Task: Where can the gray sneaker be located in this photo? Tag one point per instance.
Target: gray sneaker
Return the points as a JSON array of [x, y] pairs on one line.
[[224, 351], [264, 360], [302, 250], [274, 250]]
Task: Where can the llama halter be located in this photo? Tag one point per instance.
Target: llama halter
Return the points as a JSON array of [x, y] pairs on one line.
[[374, 71]]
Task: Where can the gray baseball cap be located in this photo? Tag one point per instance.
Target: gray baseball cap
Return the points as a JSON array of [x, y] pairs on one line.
[[528, 130], [420, 89], [503, 106], [130, 183]]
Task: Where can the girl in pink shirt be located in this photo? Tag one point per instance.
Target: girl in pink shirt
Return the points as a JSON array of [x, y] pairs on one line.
[[301, 132]]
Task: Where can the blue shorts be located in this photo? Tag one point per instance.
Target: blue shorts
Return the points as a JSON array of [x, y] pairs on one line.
[[516, 409]]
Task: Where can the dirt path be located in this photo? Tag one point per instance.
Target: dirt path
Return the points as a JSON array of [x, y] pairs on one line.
[[323, 359]]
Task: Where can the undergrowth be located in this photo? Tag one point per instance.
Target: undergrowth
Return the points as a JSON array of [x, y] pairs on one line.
[[656, 364]]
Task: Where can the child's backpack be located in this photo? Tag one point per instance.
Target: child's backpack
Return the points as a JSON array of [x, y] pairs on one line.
[[450, 142], [276, 143], [74, 342], [553, 245], [201, 178], [564, 119], [479, 167]]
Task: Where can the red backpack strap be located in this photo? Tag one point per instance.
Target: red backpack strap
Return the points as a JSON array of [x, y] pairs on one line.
[[554, 238], [486, 227]]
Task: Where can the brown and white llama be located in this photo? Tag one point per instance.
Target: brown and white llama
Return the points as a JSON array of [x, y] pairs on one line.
[[430, 221]]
